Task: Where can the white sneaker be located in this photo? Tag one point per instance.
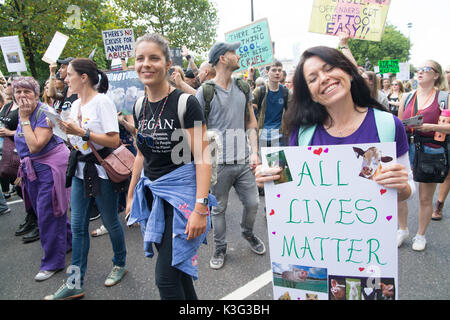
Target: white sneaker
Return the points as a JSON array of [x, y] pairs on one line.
[[402, 235], [419, 243], [44, 275]]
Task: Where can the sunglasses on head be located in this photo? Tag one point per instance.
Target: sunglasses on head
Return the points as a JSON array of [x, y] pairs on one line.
[[424, 69]]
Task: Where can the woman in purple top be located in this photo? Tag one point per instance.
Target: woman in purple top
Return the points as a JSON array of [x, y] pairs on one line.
[[42, 171], [329, 93], [424, 101]]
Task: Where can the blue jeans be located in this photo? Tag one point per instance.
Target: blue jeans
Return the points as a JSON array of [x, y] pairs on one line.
[[3, 204], [107, 203]]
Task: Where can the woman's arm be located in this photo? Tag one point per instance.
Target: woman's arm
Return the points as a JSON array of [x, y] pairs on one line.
[[137, 169], [198, 142], [128, 123], [110, 139]]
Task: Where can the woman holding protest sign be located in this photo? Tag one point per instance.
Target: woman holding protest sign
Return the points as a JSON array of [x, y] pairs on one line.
[[333, 105], [92, 123], [176, 192], [426, 102]]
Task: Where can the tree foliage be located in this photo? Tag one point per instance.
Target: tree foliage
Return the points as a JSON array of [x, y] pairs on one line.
[[393, 45], [182, 22], [36, 21]]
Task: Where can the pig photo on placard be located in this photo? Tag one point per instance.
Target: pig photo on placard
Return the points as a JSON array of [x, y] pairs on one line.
[[300, 277], [372, 162]]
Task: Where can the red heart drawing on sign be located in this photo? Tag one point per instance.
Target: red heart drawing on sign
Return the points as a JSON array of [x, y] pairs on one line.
[[383, 191], [362, 269], [318, 151], [272, 212]]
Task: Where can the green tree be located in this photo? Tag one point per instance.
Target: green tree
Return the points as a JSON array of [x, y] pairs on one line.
[[36, 21], [393, 45], [182, 22]]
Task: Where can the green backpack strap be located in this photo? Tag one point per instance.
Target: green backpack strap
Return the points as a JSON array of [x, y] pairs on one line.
[[305, 135], [209, 90], [384, 121], [245, 88], [385, 125]]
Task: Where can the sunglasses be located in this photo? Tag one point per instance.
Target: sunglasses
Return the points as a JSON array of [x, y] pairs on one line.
[[148, 140], [424, 69]]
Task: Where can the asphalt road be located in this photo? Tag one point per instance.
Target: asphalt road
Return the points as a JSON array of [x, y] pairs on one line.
[[422, 275]]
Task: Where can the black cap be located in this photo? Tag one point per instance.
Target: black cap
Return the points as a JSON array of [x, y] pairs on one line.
[[189, 74], [65, 61], [219, 49]]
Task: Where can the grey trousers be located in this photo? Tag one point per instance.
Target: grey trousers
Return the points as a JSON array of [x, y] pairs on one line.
[[242, 179]]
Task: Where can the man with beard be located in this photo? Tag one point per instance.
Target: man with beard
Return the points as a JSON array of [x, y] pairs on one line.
[[229, 112]]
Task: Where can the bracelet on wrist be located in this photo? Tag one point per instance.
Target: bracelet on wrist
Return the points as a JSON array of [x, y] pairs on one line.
[[343, 47], [202, 213]]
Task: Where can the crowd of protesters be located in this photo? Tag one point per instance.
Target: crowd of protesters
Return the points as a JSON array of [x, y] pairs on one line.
[[177, 202]]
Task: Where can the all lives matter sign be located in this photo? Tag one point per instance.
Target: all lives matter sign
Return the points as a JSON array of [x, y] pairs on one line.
[[118, 43], [332, 229]]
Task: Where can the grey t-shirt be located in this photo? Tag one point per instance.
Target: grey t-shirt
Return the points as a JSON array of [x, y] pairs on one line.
[[227, 118]]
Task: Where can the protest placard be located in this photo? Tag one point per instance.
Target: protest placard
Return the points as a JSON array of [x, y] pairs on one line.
[[332, 229], [55, 48], [13, 54], [118, 43], [124, 89], [389, 66], [361, 19], [256, 45], [404, 74]]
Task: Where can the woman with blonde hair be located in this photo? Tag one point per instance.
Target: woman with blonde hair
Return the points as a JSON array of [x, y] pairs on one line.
[[395, 96], [424, 101]]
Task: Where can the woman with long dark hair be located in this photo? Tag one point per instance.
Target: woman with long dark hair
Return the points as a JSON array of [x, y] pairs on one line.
[[93, 119], [333, 102]]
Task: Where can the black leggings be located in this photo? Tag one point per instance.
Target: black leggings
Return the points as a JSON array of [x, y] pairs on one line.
[[173, 284]]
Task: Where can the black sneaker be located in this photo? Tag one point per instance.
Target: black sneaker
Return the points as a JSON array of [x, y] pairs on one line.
[[218, 259], [256, 244]]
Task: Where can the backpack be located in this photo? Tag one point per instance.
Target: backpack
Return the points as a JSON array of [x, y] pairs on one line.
[[263, 95], [384, 122], [209, 89], [213, 139], [442, 99]]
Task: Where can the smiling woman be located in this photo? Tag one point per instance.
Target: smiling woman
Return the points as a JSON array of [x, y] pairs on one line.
[[332, 105]]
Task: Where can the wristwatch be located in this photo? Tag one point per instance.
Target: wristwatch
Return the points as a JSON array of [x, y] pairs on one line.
[[86, 136], [25, 123], [204, 201]]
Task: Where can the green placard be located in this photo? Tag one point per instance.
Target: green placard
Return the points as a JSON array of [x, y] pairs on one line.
[[389, 66], [256, 45]]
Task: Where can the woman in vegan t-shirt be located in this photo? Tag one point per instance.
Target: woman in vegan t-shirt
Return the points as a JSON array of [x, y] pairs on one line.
[[157, 123]]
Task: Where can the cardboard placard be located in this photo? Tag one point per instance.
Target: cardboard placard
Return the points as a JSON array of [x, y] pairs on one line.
[[119, 43], [256, 45], [361, 19]]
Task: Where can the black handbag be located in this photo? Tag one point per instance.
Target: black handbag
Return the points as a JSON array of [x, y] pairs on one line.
[[431, 168]]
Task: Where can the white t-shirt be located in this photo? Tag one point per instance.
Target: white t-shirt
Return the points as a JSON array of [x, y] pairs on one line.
[[99, 115]]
